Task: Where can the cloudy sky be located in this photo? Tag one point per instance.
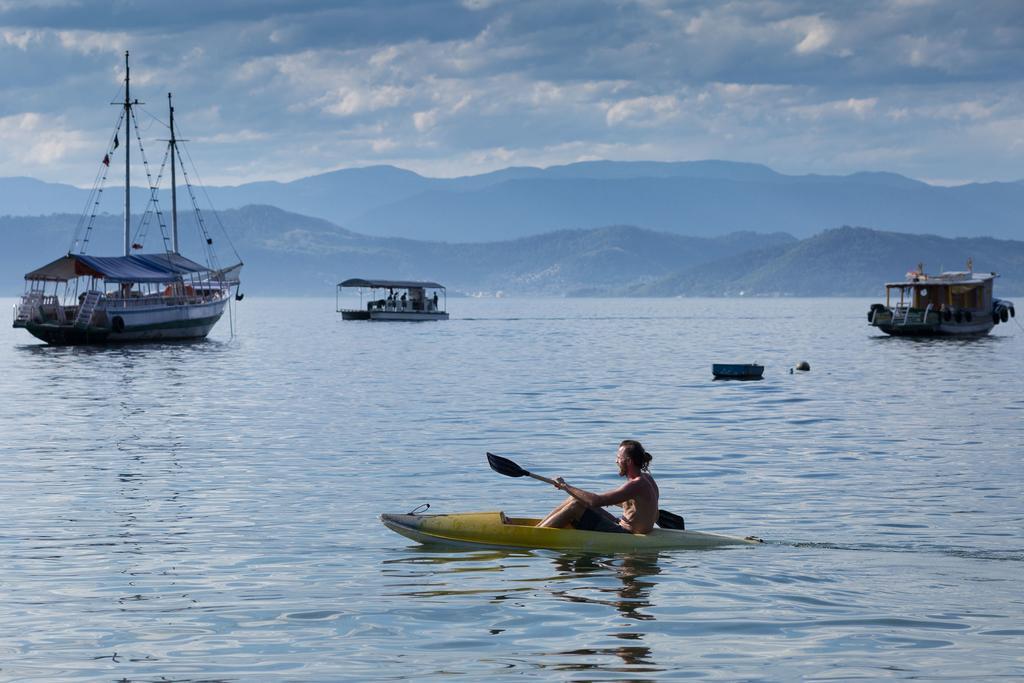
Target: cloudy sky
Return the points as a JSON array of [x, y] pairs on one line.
[[280, 89]]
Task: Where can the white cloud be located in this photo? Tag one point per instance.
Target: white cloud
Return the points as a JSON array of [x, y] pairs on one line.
[[546, 92], [875, 157], [253, 70], [8, 5], [21, 39], [858, 107], [812, 33], [945, 52], [89, 42], [383, 145], [913, 4], [643, 111], [231, 138], [339, 83], [947, 182], [37, 141], [386, 56], [425, 120], [1007, 134], [742, 91], [477, 5], [969, 110], [817, 37], [349, 101]]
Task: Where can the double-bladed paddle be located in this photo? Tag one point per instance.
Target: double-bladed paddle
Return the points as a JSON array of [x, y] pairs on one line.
[[666, 519]]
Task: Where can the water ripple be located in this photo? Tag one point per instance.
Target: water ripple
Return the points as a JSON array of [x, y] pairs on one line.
[[209, 511]]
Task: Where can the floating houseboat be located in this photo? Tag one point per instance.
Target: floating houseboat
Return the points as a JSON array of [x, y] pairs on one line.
[[394, 300], [957, 303], [138, 296]]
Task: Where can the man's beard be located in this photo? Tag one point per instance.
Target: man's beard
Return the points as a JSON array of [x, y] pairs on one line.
[[622, 470]]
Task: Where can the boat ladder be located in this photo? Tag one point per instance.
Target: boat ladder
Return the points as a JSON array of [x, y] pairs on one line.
[[87, 308], [30, 303]]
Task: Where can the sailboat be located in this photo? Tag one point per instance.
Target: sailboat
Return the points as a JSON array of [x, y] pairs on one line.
[[138, 296]]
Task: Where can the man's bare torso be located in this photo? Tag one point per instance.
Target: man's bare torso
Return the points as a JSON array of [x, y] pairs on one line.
[[640, 512]]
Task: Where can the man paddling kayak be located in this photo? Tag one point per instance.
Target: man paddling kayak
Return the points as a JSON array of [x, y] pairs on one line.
[[638, 497]]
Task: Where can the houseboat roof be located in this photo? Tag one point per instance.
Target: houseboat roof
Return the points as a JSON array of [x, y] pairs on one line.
[[947, 278], [393, 284], [134, 268]]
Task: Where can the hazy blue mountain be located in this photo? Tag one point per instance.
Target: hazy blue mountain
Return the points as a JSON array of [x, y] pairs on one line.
[[30, 197], [699, 198], [295, 255], [337, 196], [347, 193], [618, 170], [290, 254], [701, 206], [843, 262], [894, 180]]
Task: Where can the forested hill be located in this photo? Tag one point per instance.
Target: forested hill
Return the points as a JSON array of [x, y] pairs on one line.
[[842, 262], [293, 255]]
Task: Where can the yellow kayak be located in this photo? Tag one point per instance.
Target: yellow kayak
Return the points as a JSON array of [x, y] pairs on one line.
[[495, 530]]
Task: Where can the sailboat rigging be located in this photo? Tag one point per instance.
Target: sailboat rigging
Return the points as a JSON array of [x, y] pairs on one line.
[[138, 296]]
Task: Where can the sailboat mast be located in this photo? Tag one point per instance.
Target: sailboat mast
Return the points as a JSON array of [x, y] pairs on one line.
[[127, 160], [174, 186]]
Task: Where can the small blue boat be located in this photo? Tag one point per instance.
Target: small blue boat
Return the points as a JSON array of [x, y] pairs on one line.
[[737, 370]]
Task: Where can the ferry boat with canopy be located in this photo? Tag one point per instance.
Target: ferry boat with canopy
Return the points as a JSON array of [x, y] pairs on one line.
[[953, 303], [394, 300], [137, 296]]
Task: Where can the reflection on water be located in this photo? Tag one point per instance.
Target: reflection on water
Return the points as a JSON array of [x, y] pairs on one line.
[[620, 587], [630, 598]]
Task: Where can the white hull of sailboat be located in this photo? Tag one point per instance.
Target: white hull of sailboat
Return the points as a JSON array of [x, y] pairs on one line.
[[182, 321], [134, 324]]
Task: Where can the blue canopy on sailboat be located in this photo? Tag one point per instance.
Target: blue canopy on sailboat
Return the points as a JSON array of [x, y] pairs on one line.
[[134, 268]]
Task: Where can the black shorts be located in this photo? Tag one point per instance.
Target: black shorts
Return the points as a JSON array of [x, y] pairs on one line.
[[596, 521]]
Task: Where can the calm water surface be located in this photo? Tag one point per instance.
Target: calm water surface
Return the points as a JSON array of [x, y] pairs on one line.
[[209, 511]]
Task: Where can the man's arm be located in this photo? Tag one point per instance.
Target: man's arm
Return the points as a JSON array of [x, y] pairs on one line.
[[588, 498], [598, 500]]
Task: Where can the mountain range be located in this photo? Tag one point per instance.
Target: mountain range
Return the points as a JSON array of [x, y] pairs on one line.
[[699, 199], [295, 255]]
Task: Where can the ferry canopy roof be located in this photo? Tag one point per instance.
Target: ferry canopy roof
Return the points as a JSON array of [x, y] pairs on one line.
[[392, 284], [134, 268], [957, 278]]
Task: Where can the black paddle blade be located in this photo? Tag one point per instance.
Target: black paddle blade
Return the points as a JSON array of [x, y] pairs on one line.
[[505, 466], [670, 520]]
